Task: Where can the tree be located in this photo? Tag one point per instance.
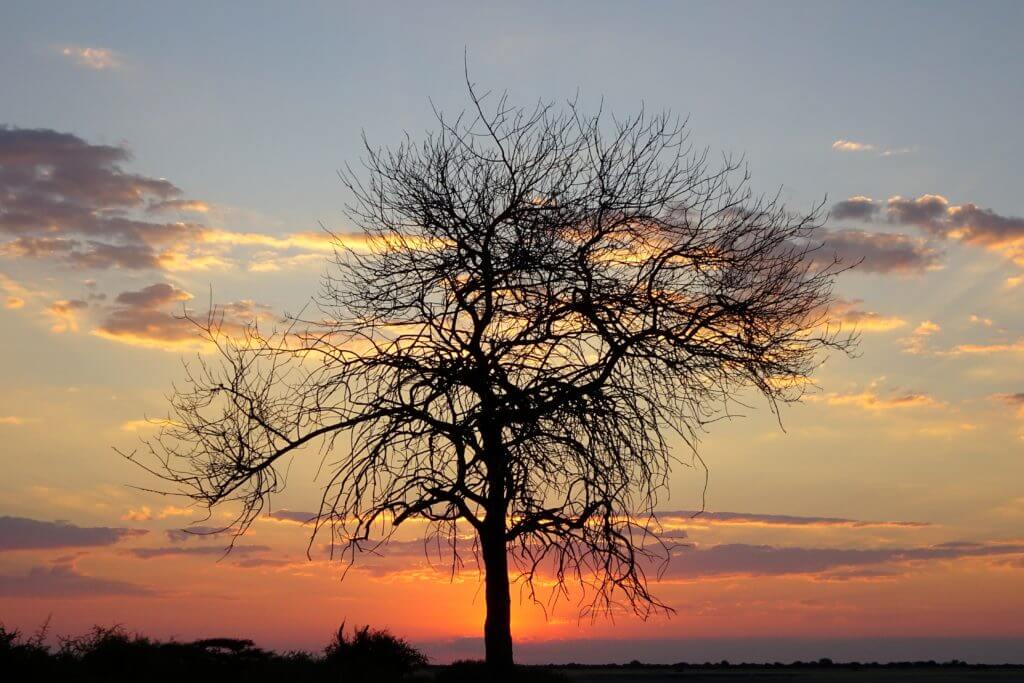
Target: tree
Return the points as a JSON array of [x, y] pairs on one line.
[[541, 299]]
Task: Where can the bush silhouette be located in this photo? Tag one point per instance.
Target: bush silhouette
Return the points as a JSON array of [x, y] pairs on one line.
[[111, 654], [371, 655]]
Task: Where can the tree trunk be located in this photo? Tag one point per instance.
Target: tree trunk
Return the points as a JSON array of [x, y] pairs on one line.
[[498, 623]]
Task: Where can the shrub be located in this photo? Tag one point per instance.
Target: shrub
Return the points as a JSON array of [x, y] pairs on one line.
[[371, 655]]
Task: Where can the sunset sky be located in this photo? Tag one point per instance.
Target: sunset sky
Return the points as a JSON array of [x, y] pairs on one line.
[[154, 158]]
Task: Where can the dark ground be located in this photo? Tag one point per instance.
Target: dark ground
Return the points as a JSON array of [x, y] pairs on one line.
[[834, 674]]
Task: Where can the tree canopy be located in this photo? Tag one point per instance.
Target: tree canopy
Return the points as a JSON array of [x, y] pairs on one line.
[[535, 305]]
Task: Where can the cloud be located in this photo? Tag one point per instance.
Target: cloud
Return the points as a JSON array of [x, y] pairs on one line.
[[695, 518], [967, 223], [917, 342], [64, 581], [64, 199], [141, 318], [739, 559], [65, 313], [153, 296], [177, 550], [855, 208], [851, 146], [185, 205], [924, 212], [974, 225], [195, 532], [145, 514], [1013, 400], [849, 312], [154, 316], [16, 420], [22, 533], [147, 424], [871, 401], [1016, 346], [293, 516], [96, 58], [67, 201], [15, 295], [877, 252], [138, 318]]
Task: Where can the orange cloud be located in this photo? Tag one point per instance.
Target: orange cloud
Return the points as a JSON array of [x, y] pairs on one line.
[[16, 420], [849, 312], [873, 402], [144, 513], [65, 313], [141, 318], [851, 146], [96, 58], [986, 349], [917, 343], [1014, 400]]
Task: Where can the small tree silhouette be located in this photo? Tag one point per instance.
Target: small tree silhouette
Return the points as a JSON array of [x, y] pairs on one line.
[[544, 297], [371, 655]]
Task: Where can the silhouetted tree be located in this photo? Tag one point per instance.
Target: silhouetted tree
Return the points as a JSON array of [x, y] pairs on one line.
[[540, 300]]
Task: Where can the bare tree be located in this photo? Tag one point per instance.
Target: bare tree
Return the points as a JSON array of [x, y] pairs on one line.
[[544, 298]]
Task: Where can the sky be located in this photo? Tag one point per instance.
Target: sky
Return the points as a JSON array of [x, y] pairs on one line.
[[161, 156]]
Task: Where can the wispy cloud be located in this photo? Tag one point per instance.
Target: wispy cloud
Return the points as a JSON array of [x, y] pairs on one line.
[[851, 146], [206, 550], [917, 342], [63, 580], [985, 348], [145, 513], [16, 420], [852, 312], [96, 58], [870, 399], [861, 147], [739, 559], [694, 518], [1015, 401], [22, 533]]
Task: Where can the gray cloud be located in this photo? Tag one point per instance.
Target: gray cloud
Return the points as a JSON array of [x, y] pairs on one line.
[[293, 516], [144, 317], [984, 226], [64, 581], [165, 551], [153, 296], [22, 533], [876, 252], [64, 199], [923, 212], [765, 560], [968, 222], [195, 532], [855, 208]]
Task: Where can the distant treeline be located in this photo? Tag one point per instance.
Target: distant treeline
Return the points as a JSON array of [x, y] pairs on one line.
[[364, 655], [113, 655]]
